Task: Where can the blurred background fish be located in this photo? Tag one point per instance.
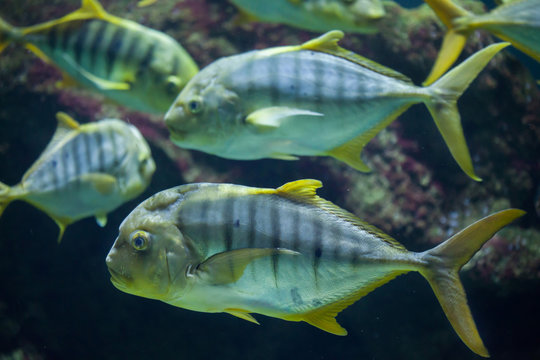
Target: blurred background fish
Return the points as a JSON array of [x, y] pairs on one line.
[[358, 16], [284, 253], [517, 22], [315, 99], [136, 66], [86, 170]]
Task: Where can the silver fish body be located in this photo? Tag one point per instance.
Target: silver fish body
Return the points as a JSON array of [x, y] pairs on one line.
[[283, 252], [86, 170], [314, 99]]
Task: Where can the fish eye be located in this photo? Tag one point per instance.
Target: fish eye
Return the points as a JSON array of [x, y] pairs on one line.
[[194, 106], [140, 240]]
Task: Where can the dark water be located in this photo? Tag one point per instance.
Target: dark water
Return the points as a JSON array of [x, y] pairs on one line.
[[57, 302]]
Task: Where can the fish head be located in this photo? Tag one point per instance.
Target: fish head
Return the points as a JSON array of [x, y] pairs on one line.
[[150, 256], [206, 114]]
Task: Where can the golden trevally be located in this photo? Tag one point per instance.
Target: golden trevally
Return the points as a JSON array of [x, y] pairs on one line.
[[285, 253]]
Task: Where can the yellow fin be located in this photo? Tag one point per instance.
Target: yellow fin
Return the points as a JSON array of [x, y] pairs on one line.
[[441, 271], [281, 156], [271, 117], [242, 314], [101, 219], [328, 43], [5, 197], [351, 152], [62, 225], [40, 54], [324, 317], [447, 11], [103, 183], [66, 121], [144, 3], [100, 83], [66, 82], [443, 104], [228, 266], [305, 191], [451, 48], [65, 129]]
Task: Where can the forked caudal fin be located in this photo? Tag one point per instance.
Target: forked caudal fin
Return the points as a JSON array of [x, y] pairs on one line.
[[441, 271], [443, 103], [5, 197]]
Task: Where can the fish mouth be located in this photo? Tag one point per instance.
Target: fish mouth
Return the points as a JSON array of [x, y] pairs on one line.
[[118, 280]]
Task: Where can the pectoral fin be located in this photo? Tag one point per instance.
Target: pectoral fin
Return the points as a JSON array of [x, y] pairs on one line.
[[242, 314], [272, 117], [103, 183], [100, 83], [228, 266], [101, 219]]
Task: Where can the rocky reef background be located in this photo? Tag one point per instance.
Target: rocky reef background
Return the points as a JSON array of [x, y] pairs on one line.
[[56, 301]]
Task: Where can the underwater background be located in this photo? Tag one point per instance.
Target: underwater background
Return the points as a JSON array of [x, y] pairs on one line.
[[57, 302]]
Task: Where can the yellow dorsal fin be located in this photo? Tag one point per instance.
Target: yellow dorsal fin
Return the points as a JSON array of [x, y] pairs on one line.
[[324, 317], [66, 121], [242, 314], [90, 9], [305, 191], [328, 43], [66, 127]]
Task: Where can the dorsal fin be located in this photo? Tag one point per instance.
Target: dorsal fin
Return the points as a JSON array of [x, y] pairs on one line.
[[66, 126], [305, 191], [328, 43], [90, 9]]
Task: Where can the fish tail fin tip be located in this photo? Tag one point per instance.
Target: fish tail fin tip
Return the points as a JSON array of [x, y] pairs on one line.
[[443, 264], [7, 34], [442, 104], [5, 197]]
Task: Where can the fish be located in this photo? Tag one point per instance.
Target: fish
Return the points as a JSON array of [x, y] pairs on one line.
[[314, 99], [285, 253], [136, 66], [85, 170], [357, 16], [517, 22]]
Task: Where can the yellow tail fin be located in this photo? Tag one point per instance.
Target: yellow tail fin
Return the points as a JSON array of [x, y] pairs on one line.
[[445, 260], [5, 197], [7, 34], [453, 42], [443, 104]]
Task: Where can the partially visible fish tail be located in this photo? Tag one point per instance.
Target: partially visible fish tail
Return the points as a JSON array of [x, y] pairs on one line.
[[8, 33], [453, 41], [442, 104], [5, 197], [443, 264]]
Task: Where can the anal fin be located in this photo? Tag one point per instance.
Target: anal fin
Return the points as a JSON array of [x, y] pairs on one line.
[[242, 314]]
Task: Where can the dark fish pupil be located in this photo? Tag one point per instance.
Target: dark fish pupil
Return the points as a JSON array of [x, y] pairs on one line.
[[139, 241]]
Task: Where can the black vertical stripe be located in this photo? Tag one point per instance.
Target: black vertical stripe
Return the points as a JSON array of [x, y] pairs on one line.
[[317, 248], [204, 206], [113, 49], [80, 39], [319, 81], [134, 41], [87, 154], [297, 65], [101, 151], [275, 78], [75, 159], [65, 35], [114, 149], [229, 223], [337, 239], [275, 223], [52, 37], [99, 30], [147, 59], [295, 223], [252, 213], [175, 66]]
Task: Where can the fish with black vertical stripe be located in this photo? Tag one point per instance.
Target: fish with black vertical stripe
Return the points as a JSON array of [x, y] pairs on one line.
[[85, 170], [136, 66], [284, 253], [314, 99]]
